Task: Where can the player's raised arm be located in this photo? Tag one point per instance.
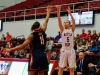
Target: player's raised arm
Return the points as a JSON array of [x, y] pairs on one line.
[[44, 27], [73, 21], [59, 19], [22, 46]]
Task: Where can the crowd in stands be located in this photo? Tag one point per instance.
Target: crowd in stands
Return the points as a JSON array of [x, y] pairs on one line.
[[9, 41], [89, 41]]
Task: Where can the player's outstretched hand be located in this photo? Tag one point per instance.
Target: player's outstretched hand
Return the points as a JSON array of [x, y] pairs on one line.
[[8, 50], [49, 9], [69, 9], [58, 8]]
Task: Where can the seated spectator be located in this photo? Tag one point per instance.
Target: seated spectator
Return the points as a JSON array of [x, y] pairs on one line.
[[27, 56], [58, 36], [94, 47], [54, 56], [8, 37], [88, 35], [21, 53], [82, 64], [9, 45], [4, 52], [79, 47], [51, 41], [83, 35], [97, 40], [85, 47], [3, 38], [83, 42], [16, 55], [89, 44], [94, 36], [77, 38], [49, 46], [94, 69], [99, 36]]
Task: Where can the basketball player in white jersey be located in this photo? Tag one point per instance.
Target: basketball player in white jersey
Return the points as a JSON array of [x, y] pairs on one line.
[[67, 55]]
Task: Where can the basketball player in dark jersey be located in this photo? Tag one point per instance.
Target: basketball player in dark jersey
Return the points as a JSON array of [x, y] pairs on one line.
[[38, 59]]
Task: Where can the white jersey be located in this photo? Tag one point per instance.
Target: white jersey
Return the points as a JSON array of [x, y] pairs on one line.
[[67, 39]]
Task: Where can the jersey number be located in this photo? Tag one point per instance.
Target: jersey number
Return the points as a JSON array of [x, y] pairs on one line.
[[67, 44], [42, 40], [67, 39]]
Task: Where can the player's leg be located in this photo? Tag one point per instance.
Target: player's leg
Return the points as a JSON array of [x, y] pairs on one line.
[[44, 65], [71, 61], [62, 61], [71, 71], [31, 72], [33, 64], [60, 72]]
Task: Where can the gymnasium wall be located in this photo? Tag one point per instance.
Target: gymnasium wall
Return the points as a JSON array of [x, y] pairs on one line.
[[18, 28]]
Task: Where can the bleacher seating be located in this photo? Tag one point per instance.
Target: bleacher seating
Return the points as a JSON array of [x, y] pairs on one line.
[[29, 4]]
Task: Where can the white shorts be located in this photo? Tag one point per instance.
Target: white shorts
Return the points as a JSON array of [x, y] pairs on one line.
[[67, 56]]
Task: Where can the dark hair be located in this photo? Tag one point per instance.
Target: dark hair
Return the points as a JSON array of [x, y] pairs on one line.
[[35, 26]]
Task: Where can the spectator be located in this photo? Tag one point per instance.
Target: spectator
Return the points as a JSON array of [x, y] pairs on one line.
[[82, 65], [16, 55], [88, 35], [8, 37], [89, 44], [51, 41], [58, 36], [9, 45], [54, 56], [49, 46], [83, 42], [94, 69], [79, 47], [2, 51], [94, 47], [94, 36], [83, 35], [23, 53], [27, 55], [3, 38], [99, 36], [77, 38]]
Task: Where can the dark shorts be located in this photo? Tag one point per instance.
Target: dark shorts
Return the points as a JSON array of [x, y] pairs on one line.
[[38, 62]]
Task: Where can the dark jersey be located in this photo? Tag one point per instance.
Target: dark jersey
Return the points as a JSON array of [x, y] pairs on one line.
[[38, 44]]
